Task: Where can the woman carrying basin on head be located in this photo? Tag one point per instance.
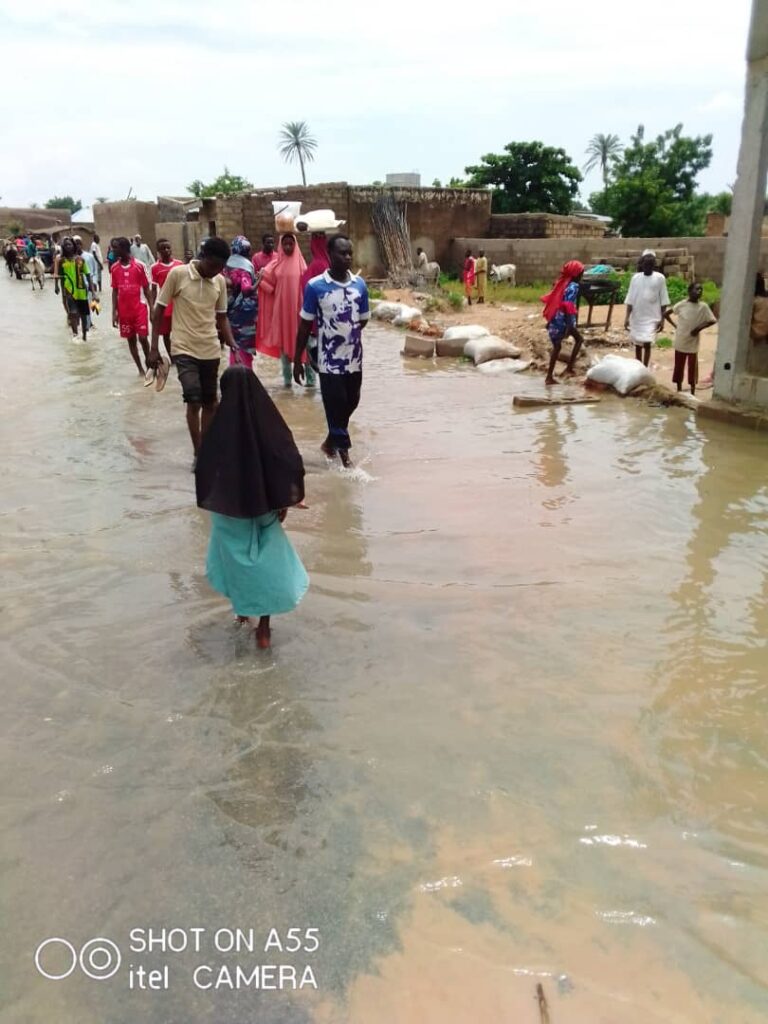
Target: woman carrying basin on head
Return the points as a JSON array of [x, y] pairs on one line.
[[280, 298]]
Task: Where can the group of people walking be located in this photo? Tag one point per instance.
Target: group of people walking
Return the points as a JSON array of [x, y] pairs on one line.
[[247, 467]]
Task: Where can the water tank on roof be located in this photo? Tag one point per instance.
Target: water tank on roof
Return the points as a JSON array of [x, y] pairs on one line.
[[409, 180]]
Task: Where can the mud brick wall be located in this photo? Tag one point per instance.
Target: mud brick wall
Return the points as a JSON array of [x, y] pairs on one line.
[[435, 218], [183, 236], [540, 259], [543, 225], [128, 217], [33, 220]]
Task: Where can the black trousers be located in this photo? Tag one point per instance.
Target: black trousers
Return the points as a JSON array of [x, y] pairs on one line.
[[341, 396]]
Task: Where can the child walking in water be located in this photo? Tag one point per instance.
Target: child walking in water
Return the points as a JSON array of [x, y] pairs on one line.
[[249, 473]]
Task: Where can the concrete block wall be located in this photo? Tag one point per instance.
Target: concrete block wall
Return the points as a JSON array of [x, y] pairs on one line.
[[435, 216], [540, 259], [229, 217], [544, 225], [259, 218]]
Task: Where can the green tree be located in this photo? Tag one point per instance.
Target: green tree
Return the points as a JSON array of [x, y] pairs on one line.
[[528, 177], [652, 189], [297, 143], [64, 203], [720, 203], [601, 152], [102, 199], [456, 183], [226, 184], [437, 183]]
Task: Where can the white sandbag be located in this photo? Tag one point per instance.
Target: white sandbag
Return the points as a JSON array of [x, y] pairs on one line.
[[482, 350], [623, 375], [465, 332], [407, 315], [501, 365], [386, 310], [318, 220]]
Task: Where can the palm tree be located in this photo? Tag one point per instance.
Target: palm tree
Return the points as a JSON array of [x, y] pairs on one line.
[[296, 143], [602, 149]]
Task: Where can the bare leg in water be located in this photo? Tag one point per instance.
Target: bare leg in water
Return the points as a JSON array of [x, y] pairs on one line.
[[263, 633], [133, 347]]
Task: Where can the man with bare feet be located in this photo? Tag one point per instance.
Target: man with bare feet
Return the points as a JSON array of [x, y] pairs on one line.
[[200, 327], [131, 301]]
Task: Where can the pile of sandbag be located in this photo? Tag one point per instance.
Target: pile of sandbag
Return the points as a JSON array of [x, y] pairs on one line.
[[469, 340], [621, 374]]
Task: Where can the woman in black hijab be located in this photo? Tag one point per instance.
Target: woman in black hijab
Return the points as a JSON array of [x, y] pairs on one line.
[[249, 472]]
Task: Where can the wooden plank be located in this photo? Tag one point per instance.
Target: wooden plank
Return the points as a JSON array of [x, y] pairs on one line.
[[538, 401]]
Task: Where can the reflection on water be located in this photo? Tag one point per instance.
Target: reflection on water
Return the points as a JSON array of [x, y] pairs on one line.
[[512, 736]]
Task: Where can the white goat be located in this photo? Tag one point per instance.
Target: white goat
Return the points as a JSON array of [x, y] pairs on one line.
[[506, 272], [36, 270]]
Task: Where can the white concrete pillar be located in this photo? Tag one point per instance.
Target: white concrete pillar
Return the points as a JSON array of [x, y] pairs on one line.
[[742, 251], [732, 379]]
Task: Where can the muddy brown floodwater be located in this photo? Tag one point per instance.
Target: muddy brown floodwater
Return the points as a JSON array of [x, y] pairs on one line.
[[514, 735]]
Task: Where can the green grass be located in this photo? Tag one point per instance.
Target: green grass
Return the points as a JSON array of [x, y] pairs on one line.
[[531, 293], [503, 292], [375, 293], [663, 343]]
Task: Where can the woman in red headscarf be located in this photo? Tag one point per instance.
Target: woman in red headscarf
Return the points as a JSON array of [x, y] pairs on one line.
[[468, 275], [560, 309], [280, 298]]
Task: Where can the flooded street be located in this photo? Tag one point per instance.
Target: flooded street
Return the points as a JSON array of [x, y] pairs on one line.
[[514, 734]]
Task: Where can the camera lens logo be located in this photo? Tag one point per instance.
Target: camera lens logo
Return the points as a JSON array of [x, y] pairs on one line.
[[99, 959]]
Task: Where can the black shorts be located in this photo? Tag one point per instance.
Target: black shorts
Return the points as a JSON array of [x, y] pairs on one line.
[[198, 378], [80, 306]]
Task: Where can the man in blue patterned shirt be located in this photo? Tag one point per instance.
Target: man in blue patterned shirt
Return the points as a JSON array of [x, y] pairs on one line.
[[338, 301]]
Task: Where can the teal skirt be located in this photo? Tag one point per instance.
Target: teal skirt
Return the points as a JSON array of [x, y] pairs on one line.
[[252, 562]]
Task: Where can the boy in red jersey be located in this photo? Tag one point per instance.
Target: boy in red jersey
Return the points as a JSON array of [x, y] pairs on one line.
[[131, 301], [158, 272]]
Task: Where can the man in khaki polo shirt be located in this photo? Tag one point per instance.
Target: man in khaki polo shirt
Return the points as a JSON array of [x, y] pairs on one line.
[[200, 326]]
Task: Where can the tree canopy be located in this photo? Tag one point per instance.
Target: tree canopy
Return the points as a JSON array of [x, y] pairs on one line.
[[601, 151], [226, 184], [296, 143], [528, 177], [64, 203], [651, 189]]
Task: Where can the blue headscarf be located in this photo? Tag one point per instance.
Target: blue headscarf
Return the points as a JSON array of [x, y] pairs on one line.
[[239, 259]]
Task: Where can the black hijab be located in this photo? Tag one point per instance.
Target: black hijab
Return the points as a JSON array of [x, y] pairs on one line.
[[248, 462]]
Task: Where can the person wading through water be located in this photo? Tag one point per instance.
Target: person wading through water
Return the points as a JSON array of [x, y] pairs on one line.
[[338, 302], [131, 301], [200, 326], [249, 473], [560, 309]]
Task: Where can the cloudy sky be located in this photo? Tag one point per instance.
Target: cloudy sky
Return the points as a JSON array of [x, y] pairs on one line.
[[151, 94]]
